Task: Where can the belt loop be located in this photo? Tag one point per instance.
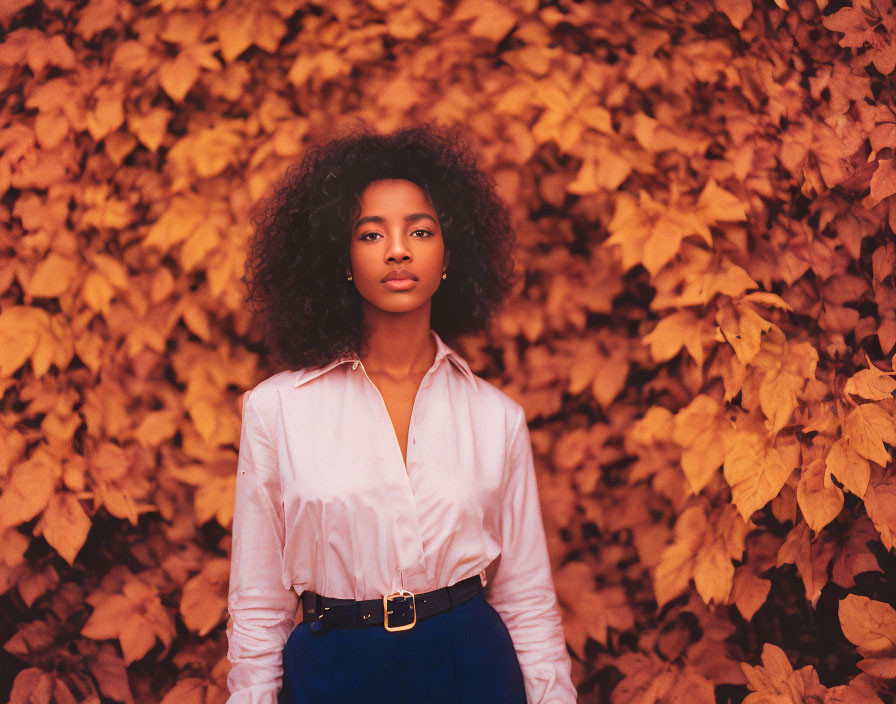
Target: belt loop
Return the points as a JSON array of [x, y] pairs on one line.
[[318, 603]]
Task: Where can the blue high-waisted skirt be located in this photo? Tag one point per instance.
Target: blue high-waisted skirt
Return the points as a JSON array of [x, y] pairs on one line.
[[461, 656]]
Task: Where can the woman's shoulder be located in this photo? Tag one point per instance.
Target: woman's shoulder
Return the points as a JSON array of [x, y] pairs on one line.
[[265, 393], [271, 391], [490, 400]]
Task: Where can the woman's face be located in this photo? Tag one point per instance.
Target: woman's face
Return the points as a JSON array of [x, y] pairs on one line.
[[396, 229]]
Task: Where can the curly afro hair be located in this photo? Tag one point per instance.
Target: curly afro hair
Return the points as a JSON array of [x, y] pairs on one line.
[[295, 271]]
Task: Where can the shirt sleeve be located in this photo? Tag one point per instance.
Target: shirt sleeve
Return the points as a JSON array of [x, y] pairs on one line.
[[262, 611], [521, 589]]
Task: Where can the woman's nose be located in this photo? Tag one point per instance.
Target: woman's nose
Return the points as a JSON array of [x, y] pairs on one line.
[[397, 249]]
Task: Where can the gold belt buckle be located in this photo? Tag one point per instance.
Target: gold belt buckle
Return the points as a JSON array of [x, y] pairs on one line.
[[401, 594]]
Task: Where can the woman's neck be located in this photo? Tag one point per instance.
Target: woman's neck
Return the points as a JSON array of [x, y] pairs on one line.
[[398, 345]]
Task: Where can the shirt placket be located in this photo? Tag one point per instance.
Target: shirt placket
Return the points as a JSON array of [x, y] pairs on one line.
[[407, 534]]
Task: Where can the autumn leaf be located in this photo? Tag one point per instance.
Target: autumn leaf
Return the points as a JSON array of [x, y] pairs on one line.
[[743, 328], [30, 488], [236, 31], [811, 557], [651, 233], [771, 675], [150, 127], [32, 686], [592, 611], [204, 601], [748, 592], [714, 203], [50, 51], [178, 75], [646, 679], [883, 668], [869, 624], [214, 494], [859, 25], [853, 556], [491, 20], [820, 504], [207, 152], [867, 427], [880, 503], [53, 276], [778, 397], [699, 277], [871, 384], [108, 113], [690, 686], [848, 466], [189, 690], [713, 571], [698, 429], [156, 427], [111, 674], [96, 16], [676, 567], [883, 182], [22, 330], [656, 425], [677, 330], [177, 223], [64, 525], [51, 129], [135, 616], [777, 682], [736, 10], [756, 470]]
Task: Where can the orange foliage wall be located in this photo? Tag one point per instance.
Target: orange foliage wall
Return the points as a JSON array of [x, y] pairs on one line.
[[704, 340]]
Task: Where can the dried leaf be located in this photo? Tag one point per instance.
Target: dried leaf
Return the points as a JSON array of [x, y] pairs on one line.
[[848, 466], [869, 624], [698, 428], [870, 384], [65, 525], [177, 76], [756, 470], [29, 490], [676, 567], [820, 504], [53, 276], [868, 427], [749, 592], [204, 601]]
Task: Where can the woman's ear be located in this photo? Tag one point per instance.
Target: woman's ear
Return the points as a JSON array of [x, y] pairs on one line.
[[445, 261]]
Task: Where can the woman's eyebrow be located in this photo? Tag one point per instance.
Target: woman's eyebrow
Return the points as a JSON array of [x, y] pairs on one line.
[[381, 220]]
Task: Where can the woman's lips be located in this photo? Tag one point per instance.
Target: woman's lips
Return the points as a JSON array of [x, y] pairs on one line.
[[399, 279], [400, 284], [399, 274]]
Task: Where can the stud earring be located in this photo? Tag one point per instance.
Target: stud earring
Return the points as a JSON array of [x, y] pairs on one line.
[[444, 275], [348, 278]]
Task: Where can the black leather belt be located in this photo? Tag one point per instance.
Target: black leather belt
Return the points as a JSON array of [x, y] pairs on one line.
[[396, 612]]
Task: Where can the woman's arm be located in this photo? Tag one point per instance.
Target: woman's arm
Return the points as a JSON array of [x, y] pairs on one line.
[[262, 610], [522, 589]]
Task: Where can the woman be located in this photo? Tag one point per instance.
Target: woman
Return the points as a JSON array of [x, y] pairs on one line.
[[378, 476]]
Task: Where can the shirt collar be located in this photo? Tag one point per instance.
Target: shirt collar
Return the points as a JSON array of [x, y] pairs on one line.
[[442, 350]]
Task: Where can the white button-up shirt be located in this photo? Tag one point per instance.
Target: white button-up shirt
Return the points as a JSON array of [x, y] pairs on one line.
[[324, 503]]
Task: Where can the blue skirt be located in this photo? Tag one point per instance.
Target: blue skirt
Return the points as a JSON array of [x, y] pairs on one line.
[[461, 656]]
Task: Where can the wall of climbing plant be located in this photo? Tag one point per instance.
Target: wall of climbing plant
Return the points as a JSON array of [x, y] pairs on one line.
[[703, 336]]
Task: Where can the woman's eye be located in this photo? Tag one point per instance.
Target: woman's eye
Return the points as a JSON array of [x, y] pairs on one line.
[[373, 235]]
